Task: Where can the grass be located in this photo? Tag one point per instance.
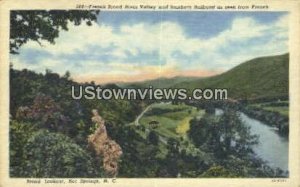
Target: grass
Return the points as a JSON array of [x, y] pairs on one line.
[[184, 126], [283, 110], [166, 125], [174, 121]]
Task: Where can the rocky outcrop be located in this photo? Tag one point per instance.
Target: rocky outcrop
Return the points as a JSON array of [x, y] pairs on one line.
[[104, 147]]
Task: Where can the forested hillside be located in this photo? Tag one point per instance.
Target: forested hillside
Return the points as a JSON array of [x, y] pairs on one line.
[[256, 78], [263, 77], [49, 136], [54, 135], [42, 110]]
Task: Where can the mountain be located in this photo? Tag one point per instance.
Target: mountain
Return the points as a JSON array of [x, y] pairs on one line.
[[161, 82], [262, 77]]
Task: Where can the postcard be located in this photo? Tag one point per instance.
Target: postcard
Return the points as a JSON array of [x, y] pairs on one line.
[[150, 93]]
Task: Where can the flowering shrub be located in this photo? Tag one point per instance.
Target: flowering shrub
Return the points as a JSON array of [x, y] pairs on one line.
[[44, 111]]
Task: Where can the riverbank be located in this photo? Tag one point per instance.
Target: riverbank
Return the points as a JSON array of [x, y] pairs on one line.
[[272, 147], [275, 119]]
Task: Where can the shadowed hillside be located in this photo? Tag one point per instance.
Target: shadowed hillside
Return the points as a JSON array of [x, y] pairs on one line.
[[257, 78]]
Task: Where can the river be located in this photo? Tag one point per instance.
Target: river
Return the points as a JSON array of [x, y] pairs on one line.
[[272, 147]]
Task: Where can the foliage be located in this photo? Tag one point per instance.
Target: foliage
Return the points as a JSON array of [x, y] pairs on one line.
[[19, 133], [224, 136], [140, 159], [235, 137], [264, 77], [49, 130], [45, 112], [216, 146], [43, 102], [41, 25], [273, 115], [230, 142], [48, 154], [32, 90], [217, 171], [198, 132], [173, 119], [47, 98], [153, 138]]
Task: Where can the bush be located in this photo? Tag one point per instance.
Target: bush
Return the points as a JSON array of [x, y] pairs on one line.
[[49, 154], [218, 171], [19, 133], [153, 138]]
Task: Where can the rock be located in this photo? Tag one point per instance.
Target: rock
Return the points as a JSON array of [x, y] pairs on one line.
[[108, 149]]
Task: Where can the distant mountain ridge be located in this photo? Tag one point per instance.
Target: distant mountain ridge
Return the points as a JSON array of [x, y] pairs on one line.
[[257, 78], [161, 82]]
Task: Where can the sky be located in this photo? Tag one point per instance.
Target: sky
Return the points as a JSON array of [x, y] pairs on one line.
[[139, 45]]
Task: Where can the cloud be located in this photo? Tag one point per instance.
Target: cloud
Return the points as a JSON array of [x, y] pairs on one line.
[[144, 50]]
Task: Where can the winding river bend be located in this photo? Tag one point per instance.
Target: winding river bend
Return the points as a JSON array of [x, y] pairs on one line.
[[272, 147]]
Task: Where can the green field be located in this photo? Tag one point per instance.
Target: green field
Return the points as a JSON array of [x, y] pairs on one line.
[[173, 119], [282, 107], [282, 110], [174, 122]]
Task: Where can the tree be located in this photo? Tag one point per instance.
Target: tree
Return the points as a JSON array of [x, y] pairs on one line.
[[173, 145], [218, 171], [153, 138], [236, 136], [49, 154], [67, 75], [19, 133], [200, 130], [46, 113], [223, 136], [41, 25]]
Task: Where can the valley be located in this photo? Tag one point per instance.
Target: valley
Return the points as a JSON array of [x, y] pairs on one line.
[[169, 138]]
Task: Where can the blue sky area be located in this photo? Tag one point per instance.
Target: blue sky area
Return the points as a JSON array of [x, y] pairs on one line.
[[137, 45], [196, 24]]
